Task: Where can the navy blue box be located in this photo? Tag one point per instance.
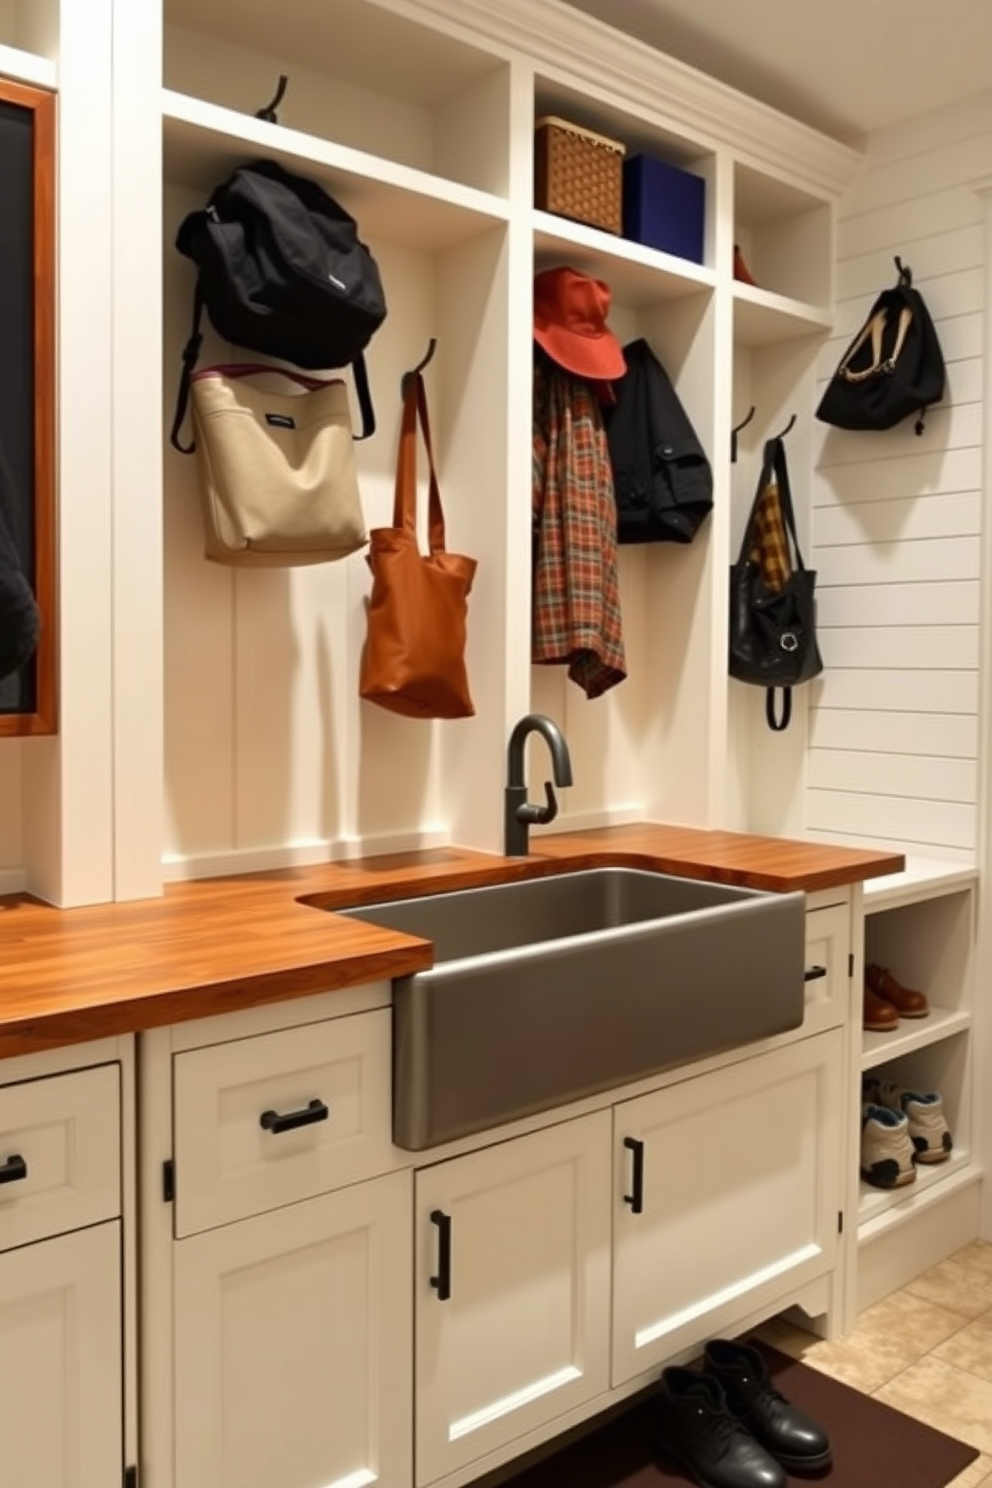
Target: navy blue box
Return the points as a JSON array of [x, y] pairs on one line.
[[664, 207]]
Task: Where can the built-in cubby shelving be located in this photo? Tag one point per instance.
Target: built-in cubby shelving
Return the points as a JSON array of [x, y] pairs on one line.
[[784, 234], [901, 1204], [762, 318], [27, 67], [637, 276], [912, 1034], [203, 142], [29, 42]]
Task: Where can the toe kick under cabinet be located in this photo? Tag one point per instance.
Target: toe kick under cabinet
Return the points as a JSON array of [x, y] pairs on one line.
[[422, 1318]]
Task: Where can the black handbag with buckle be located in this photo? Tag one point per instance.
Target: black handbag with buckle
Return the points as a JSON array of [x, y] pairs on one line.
[[772, 606]]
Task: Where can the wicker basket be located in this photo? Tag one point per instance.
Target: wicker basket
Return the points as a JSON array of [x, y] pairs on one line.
[[578, 174]]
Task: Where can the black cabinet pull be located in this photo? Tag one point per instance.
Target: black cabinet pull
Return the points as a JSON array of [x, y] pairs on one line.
[[273, 1121], [14, 1169], [636, 1197], [814, 973], [442, 1281]]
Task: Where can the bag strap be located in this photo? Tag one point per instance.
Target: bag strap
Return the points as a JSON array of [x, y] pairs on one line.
[[781, 468], [874, 328], [255, 369], [778, 723], [191, 352], [405, 499], [361, 376]]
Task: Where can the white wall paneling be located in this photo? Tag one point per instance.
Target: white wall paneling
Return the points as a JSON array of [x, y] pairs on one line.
[[68, 779], [897, 521]]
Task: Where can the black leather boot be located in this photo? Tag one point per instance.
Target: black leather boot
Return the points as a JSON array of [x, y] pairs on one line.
[[696, 1429], [791, 1436]]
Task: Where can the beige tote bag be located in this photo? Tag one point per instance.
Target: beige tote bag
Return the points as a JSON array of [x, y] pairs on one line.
[[278, 481]]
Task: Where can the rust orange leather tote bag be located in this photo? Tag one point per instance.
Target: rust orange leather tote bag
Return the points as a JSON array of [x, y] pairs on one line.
[[413, 661]]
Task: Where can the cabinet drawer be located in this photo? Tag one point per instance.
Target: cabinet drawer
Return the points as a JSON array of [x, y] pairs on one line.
[[267, 1121], [60, 1154], [828, 985]]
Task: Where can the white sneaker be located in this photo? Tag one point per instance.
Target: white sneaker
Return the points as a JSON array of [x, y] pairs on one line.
[[886, 1149], [928, 1130]]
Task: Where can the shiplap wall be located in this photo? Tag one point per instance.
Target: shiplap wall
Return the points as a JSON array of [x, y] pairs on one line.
[[894, 723]]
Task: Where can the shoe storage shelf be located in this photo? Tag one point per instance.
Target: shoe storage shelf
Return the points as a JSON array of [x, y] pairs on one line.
[[921, 926]]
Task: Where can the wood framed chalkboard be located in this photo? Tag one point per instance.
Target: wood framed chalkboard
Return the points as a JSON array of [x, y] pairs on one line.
[[28, 698]]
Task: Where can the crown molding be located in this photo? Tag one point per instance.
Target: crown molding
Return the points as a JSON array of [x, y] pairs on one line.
[[588, 55]]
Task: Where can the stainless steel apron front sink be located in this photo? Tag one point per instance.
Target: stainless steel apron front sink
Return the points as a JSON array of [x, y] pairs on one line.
[[551, 989]]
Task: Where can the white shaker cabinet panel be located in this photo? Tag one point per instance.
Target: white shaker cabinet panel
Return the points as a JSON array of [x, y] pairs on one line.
[[60, 1154], [512, 1289], [728, 1191], [266, 1121], [61, 1372], [293, 1339]]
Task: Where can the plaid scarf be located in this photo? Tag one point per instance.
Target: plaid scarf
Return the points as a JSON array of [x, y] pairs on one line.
[[770, 545], [576, 598]]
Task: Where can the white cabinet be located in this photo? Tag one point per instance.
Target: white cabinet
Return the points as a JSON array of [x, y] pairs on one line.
[[61, 1370], [66, 1411], [512, 1289], [278, 1300], [729, 1197], [292, 1345], [262, 1122]]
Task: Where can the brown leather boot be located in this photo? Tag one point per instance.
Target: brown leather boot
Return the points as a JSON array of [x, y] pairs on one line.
[[879, 1016], [907, 1002]]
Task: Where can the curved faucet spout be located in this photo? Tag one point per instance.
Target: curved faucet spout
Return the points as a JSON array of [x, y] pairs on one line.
[[518, 811]]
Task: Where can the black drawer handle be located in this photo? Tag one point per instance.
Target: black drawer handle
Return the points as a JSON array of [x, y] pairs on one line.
[[442, 1281], [814, 973], [274, 1122], [636, 1196], [14, 1169]]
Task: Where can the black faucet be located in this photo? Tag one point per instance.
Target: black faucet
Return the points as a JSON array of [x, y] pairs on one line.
[[518, 812]]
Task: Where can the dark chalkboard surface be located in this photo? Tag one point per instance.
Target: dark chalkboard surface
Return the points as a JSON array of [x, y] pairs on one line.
[[27, 381]]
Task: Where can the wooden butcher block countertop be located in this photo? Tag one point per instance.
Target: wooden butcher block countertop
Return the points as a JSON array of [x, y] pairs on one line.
[[221, 944]]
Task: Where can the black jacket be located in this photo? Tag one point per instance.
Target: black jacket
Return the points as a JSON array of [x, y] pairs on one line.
[[18, 612], [661, 476]]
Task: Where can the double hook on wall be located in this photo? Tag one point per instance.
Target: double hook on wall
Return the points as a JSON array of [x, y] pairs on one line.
[[743, 425]]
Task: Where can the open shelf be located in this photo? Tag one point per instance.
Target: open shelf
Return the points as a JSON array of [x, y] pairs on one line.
[[761, 318], [358, 75], [912, 1034], [203, 143], [900, 1203], [637, 275], [27, 67], [922, 878]]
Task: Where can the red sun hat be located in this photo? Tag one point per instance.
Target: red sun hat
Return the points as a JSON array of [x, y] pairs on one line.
[[570, 311]]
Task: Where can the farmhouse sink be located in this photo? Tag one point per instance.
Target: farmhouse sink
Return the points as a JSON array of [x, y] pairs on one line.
[[550, 989]]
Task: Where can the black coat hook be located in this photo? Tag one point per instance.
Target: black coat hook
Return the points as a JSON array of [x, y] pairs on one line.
[[416, 371], [269, 112], [736, 430], [788, 428], [905, 273]]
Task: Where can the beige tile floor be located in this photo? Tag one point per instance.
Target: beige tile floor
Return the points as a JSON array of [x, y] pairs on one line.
[[927, 1350]]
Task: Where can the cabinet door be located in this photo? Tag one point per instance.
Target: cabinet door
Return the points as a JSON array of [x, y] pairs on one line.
[[512, 1290], [728, 1192], [61, 1378], [293, 1345]]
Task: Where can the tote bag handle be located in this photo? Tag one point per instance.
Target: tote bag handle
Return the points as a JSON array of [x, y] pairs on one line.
[[405, 498]]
